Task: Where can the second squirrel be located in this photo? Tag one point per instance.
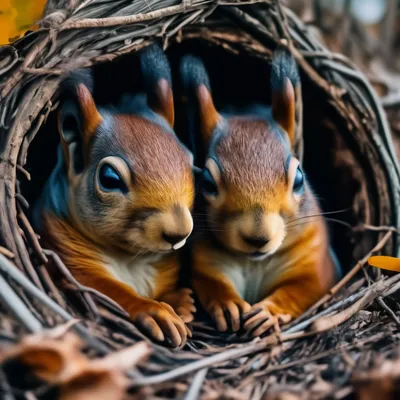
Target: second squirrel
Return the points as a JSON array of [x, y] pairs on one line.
[[267, 256]]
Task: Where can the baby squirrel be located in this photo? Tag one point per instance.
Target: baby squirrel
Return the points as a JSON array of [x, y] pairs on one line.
[[119, 200], [266, 258]]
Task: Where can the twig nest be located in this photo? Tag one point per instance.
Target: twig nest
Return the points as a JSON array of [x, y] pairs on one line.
[[342, 138]]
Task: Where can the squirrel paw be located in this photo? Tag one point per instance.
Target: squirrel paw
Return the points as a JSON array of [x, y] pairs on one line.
[[260, 319], [182, 302], [161, 323], [227, 313]]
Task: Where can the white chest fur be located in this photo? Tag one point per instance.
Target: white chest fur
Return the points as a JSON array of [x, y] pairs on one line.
[[251, 279], [137, 272]]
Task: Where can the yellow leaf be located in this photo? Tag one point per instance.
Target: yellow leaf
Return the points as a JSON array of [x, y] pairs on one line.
[[385, 262], [18, 16]]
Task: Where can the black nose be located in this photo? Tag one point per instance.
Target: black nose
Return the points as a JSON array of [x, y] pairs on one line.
[[256, 241], [173, 238]]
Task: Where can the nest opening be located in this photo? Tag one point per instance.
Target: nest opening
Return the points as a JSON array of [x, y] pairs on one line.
[[239, 78]]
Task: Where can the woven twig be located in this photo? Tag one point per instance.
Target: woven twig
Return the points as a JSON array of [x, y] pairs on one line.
[[343, 326]]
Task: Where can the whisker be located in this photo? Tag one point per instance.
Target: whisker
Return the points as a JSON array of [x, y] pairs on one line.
[[338, 221], [319, 214]]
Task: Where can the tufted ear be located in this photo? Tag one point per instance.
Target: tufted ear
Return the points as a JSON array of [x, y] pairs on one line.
[[77, 122], [197, 87], [161, 101], [157, 78], [208, 115], [284, 81]]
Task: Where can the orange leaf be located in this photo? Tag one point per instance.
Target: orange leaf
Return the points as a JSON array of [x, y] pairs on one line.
[[385, 262]]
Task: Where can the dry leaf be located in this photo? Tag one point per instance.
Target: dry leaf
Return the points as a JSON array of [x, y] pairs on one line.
[[282, 396], [102, 378], [48, 353], [381, 383], [55, 357]]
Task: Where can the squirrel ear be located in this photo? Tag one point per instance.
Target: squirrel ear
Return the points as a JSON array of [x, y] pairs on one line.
[[157, 80], [285, 80], [208, 115], [284, 109], [197, 88], [77, 122], [161, 100]]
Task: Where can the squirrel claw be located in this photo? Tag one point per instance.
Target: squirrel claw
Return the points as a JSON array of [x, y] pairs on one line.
[[182, 302], [260, 320], [150, 326], [161, 323], [227, 314]]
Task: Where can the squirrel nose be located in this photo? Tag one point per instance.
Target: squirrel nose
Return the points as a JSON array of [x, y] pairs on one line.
[[256, 241], [173, 238]]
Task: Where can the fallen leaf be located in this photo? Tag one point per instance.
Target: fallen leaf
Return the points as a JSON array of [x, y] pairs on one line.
[[56, 358], [46, 354], [385, 262], [381, 383]]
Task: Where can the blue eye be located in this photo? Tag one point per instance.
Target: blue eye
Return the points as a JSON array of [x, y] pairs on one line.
[[208, 185], [110, 180], [298, 184]]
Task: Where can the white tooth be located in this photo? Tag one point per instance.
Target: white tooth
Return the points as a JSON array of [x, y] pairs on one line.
[[179, 244]]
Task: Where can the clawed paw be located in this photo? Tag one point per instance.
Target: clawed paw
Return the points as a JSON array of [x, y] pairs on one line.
[[227, 313], [259, 320], [183, 303], [161, 323]]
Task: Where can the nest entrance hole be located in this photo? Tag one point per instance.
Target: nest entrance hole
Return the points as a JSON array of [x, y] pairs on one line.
[[240, 78]]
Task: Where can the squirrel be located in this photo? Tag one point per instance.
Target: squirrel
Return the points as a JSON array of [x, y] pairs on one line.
[[119, 200], [266, 256]]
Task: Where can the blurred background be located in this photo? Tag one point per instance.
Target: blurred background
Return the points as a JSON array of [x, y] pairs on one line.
[[367, 31], [18, 16]]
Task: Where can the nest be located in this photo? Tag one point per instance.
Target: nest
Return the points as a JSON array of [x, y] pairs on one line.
[[346, 147]]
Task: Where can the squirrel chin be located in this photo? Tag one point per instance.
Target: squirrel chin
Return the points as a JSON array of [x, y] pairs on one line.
[[258, 256]]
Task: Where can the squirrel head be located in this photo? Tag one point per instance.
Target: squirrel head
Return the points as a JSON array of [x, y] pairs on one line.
[[130, 180], [252, 182]]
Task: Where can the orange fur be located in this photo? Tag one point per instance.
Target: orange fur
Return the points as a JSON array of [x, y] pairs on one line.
[[208, 114], [123, 202], [284, 109], [166, 106], [256, 252], [160, 187], [208, 283], [91, 117], [309, 276], [162, 181], [167, 290], [87, 264], [214, 291]]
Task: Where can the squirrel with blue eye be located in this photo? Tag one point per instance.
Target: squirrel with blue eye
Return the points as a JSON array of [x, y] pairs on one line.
[[265, 257], [118, 203]]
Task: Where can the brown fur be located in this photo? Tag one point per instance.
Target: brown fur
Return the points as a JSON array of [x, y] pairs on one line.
[[115, 241], [209, 116], [166, 109], [161, 185], [255, 199], [284, 109]]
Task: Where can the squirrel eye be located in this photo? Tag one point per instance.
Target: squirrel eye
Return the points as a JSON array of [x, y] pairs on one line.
[[298, 184], [208, 185], [110, 180]]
